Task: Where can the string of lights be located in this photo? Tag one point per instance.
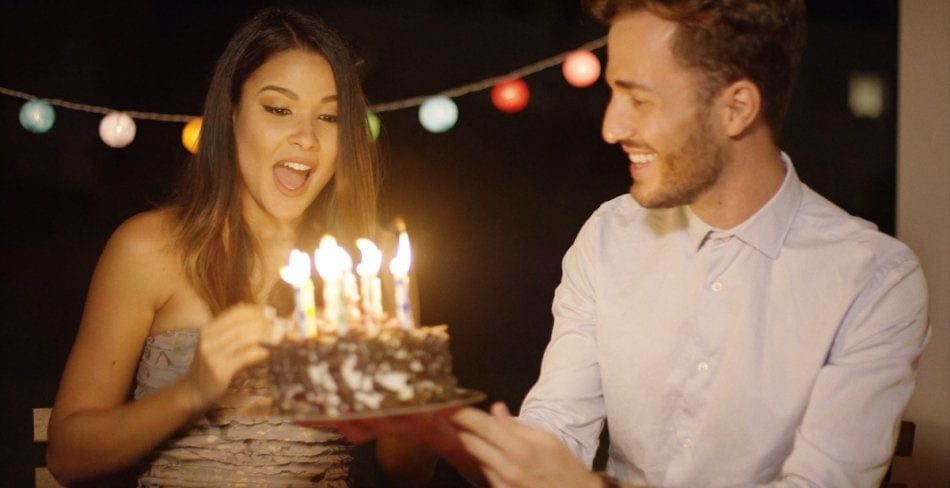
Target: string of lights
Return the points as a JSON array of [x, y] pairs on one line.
[[437, 112]]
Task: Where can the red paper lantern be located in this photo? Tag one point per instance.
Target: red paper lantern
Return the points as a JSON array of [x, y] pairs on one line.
[[581, 68], [510, 96]]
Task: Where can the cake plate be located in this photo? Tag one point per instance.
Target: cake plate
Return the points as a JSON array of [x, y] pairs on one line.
[[462, 398]]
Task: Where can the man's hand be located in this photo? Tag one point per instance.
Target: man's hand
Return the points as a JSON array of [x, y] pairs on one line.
[[513, 454]]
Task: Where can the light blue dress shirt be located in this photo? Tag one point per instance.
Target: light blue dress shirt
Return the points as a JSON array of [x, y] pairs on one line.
[[780, 352]]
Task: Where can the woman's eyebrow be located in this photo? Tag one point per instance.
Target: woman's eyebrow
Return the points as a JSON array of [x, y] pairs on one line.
[[292, 95]]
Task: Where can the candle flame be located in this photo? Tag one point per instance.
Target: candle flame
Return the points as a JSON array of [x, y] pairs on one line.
[[297, 271], [330, 259], [372, 258], [400, 263]]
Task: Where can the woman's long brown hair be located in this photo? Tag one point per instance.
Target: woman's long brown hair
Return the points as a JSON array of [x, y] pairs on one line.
[[217, 246]]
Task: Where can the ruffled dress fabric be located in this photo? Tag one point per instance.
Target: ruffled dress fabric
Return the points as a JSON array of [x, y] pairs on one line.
[[237, 443]]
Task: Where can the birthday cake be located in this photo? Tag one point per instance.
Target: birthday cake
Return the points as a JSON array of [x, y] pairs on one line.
[[354, 358], [362, 371]]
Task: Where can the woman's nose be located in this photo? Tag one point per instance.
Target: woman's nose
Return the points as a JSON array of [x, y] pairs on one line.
[[305, 136]]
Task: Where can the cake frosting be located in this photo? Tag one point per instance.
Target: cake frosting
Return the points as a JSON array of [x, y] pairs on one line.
[[363, 370]]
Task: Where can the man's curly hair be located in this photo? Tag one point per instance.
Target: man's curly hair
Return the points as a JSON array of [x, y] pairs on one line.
[[727, 40]]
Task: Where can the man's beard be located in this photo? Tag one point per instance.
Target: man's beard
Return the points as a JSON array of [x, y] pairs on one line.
[[685, 173]]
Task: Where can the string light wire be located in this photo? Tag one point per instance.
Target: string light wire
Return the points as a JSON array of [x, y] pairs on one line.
[[97, 109], [489, 82], [378, 108]]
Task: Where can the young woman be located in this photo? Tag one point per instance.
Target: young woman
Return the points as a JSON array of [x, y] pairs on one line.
[[179, 304]]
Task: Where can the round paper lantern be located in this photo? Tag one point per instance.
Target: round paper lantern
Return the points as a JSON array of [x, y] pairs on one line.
[[374, 124], [189, 135], [581, 68], [37, 116], [117, 129], [510, 96], [438, 114]]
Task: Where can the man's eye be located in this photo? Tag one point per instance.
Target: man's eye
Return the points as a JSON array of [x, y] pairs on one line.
[[277, 110]]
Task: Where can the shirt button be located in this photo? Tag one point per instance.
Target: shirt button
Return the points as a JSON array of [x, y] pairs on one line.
[[716, 286], [702, 367], [687, 443]]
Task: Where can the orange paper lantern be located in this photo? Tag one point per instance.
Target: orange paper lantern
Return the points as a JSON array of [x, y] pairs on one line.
[[190, 134]]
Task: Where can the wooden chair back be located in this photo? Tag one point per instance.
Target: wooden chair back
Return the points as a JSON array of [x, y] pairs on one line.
[[43, 478]]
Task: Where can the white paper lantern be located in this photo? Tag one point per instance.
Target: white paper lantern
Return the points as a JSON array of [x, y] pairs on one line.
[[438, 114], [117, 129], [581, 68]]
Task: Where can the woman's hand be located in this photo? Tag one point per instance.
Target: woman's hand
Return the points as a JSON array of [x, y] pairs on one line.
[[231, 342], [513, 454]]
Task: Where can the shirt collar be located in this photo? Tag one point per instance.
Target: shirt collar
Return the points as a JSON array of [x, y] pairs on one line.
[[766, 229]]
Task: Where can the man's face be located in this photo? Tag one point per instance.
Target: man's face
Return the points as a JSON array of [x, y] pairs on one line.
[[657, 115]]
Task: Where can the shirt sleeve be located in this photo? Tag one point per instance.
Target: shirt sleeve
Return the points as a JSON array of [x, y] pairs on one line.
[[567, 398], [850, 426]]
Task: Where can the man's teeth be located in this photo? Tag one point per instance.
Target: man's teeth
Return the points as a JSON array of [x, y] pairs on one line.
[[296, 166], [639, 158]]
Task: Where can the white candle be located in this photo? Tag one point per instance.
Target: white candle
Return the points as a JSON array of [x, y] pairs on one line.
[[297, 274], [399, 267], [330, 262], [370, 284], [351, 292]]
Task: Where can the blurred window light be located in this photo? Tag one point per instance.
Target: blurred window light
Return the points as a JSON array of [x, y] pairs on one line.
[[866, 95]]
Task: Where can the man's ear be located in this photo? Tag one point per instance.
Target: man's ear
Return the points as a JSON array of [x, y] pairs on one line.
[[743, 104]]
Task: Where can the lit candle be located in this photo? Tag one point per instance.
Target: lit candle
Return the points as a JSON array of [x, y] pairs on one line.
[[399, 267], [329, 259], [370, 284], [297, 274], [351, 292]]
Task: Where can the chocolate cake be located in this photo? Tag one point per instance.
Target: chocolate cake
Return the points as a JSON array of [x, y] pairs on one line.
[[362, 371]]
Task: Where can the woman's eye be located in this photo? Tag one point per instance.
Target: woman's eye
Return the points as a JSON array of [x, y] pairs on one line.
[[329, 118], [277, 110]]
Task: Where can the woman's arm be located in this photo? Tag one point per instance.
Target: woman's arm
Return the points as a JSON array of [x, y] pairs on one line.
[[93, 431]]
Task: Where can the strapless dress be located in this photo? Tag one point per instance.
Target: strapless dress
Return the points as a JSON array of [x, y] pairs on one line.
[[236, 443]]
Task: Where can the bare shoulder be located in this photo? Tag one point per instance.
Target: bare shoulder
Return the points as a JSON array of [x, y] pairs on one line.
[[148, 232], [130, 283], [141, 255]]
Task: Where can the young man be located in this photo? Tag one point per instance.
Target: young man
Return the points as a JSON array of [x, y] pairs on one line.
[[731, 326]]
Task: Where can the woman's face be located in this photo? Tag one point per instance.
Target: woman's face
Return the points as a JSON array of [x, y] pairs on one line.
[[285, 131]]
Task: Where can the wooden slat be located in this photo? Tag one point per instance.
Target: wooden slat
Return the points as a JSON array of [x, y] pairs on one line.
[[41, 475], [44, 479], [40, 423]]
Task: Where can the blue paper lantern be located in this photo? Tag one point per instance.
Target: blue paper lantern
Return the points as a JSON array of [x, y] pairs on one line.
[[438, 114], [37, 116]]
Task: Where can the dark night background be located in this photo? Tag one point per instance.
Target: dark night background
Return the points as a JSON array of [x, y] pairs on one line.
[[491, 205]]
